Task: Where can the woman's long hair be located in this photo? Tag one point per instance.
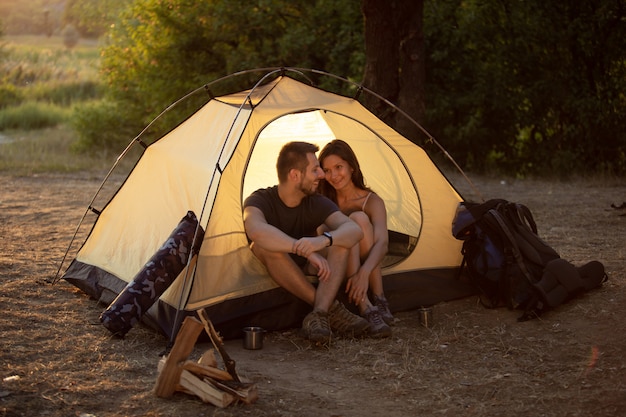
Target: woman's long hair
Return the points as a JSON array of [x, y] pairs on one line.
[[341, 149]]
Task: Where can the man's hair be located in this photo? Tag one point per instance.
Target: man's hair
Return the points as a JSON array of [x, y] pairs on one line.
[[293, 156]]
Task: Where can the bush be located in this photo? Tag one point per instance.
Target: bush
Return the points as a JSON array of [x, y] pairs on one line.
[[10, 96], [70, 36], [102, 126], [64, 93], [31, 115]]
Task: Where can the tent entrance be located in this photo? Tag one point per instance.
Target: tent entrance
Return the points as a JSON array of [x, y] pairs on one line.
[[384, 170]]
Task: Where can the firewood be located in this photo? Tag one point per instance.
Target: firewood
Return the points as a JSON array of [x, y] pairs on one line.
[[202, 378], [191, 384], [245, 392], [183, 346], [208, 358], [201, 370]]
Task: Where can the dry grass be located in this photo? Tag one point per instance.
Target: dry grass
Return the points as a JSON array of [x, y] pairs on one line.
[[47, 58], [473, 361], [28, 152]]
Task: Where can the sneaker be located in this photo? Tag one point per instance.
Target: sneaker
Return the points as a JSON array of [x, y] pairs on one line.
[[377, 326], [346, 323], [383, 308], [316, 326]]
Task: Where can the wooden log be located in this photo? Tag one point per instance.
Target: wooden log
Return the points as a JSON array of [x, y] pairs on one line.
[[202, 379], [169, 377], [208, 358], [244, 391], [207, 371], [191, 384]]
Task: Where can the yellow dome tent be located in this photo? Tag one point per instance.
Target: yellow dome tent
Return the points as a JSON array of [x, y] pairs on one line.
[[213, 160]]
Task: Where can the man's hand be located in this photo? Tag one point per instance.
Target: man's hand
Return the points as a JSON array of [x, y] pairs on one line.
[[321, 265], [306, 246]]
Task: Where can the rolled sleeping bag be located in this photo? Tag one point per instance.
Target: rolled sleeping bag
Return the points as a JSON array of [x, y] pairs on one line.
[[560, 281], [155, 277], [592, 274]]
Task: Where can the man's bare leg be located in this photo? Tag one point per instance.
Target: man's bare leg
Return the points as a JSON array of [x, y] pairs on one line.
[[286, 273], [326, 293]]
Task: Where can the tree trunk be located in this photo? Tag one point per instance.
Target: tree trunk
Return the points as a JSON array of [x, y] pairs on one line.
[[381, 51], [394, 60], [412, 68]]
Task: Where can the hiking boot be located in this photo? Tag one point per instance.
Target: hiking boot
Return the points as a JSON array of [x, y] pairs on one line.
[[316, 326], [346, 323], [383, 308], [377, 326]]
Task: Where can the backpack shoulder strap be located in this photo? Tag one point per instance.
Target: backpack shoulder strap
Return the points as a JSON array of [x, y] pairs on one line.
[[523, 216], [479, 210], [468, 213], [517, 255], [524, 228]]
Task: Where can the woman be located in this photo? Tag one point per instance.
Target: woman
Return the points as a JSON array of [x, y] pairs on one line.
[[344, 184]]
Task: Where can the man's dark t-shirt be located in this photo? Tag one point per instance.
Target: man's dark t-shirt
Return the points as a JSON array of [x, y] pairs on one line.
[[300, 221]]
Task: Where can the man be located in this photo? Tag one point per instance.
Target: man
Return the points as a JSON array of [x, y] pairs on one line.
[[282, 221]]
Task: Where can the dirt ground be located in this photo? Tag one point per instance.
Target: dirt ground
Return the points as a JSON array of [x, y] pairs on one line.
[[57, 360]]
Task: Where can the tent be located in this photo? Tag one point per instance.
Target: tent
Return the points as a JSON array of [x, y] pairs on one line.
[[210, 162]]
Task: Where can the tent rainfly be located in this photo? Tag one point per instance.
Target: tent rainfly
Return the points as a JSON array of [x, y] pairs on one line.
[[214, 159]]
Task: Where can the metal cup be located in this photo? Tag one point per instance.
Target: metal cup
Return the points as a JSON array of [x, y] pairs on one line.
[[253, 337], [426, 316]]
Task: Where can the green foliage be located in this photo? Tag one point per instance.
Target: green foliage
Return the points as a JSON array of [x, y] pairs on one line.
[[32, 115], [29, 61], [41, 82], [324, 34], [10, 96], [64, 93], [92, 18], [70, 36], [529, 87], [159, 51], [102, 125], [519, 87]]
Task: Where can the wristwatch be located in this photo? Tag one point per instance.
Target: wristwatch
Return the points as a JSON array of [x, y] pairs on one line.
[[330, 238]]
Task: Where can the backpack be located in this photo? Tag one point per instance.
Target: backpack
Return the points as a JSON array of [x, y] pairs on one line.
[[510, 265]]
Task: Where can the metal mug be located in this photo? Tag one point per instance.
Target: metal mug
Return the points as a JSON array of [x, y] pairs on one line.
[[426, 316], [253, 337]]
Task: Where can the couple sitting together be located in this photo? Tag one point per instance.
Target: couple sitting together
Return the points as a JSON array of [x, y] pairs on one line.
[[322, 220]]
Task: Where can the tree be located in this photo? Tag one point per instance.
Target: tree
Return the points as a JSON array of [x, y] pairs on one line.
[[158, 51], [508, 94], [70, 36], [92, 18], [394, 63], [486, 77]]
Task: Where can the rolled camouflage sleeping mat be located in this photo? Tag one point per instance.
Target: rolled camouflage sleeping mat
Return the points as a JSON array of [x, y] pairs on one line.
[[154, 278]]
